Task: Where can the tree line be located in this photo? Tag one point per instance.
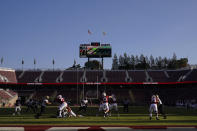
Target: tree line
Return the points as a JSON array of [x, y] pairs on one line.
[[130, 62], [141, 62]]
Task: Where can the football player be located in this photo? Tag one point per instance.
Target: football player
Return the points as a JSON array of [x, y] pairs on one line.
[[153, 107], [83, 105], [43, 106], [104, 106], [113, 104], [63, 108], [17, 106], [160, 107]]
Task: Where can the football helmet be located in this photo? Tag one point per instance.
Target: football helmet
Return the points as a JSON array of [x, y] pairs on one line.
[[59, 96]]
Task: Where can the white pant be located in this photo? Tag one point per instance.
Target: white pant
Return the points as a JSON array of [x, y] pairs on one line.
[[62, 106], [153, 107], [113, 106], [104, 106], [72, 113]]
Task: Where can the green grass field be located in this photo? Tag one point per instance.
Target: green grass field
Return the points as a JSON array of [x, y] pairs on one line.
[[136, 116]]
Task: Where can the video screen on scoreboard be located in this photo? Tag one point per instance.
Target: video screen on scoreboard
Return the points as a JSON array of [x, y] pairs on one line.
[[95, 51]]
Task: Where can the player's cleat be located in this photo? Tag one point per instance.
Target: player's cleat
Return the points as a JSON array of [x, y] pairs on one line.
[[150, 118], [80, 116], [106, 114], [157, 118], [59, 116]]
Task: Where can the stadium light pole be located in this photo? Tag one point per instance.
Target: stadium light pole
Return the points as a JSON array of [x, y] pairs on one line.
[[1, 61], [83, 90], [102, 63], [77, 86], [53, 62], [22, 62], [83, 85], [34, 64]]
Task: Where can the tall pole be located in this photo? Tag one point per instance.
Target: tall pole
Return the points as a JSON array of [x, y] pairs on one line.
[[22, 63], [77, 86], [1, 60], [83, 91], [102, 63], [88, 62], [34, 64], [53, 62]]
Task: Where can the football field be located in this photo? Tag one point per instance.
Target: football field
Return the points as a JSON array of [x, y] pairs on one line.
[[137, 116]]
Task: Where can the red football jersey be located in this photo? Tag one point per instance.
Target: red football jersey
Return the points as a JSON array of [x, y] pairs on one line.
[[105, 99], [61, 100]]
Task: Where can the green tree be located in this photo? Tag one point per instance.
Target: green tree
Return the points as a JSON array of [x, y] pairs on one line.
[[121, 62], [159, 62], [183, 62], [137, 62], [132, 59], [173, 62], [174, 57], [127, 66], [93, 65], [152, 61], [147, 61], [166, 61], [141, 58], [115, 62], [156, 62]]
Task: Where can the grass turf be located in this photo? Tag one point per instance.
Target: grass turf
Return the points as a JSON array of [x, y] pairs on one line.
[[136, 116]]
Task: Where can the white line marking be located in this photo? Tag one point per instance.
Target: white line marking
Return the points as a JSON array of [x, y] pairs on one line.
[[181, 128], [66, 128], [117, 128], [11, 128]]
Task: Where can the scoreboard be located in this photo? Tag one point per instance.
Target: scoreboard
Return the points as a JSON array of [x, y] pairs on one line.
[[94, 50]]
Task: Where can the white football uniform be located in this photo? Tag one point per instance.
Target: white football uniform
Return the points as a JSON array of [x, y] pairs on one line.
[[62, 106], [153, 106], [105, 105]]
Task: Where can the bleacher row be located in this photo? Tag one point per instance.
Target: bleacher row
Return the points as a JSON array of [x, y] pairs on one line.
[[92, 76], [7, 75], [138, 96]]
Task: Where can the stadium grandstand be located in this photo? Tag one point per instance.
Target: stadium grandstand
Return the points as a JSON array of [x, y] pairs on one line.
[[7, 98], [7, 75], [137, 85]]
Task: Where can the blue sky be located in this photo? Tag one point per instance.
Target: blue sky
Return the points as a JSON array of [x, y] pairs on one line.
[[47, 29]]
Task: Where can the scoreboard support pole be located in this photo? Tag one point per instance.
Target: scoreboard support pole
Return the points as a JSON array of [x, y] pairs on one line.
[[102, 62], [88, 62]]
